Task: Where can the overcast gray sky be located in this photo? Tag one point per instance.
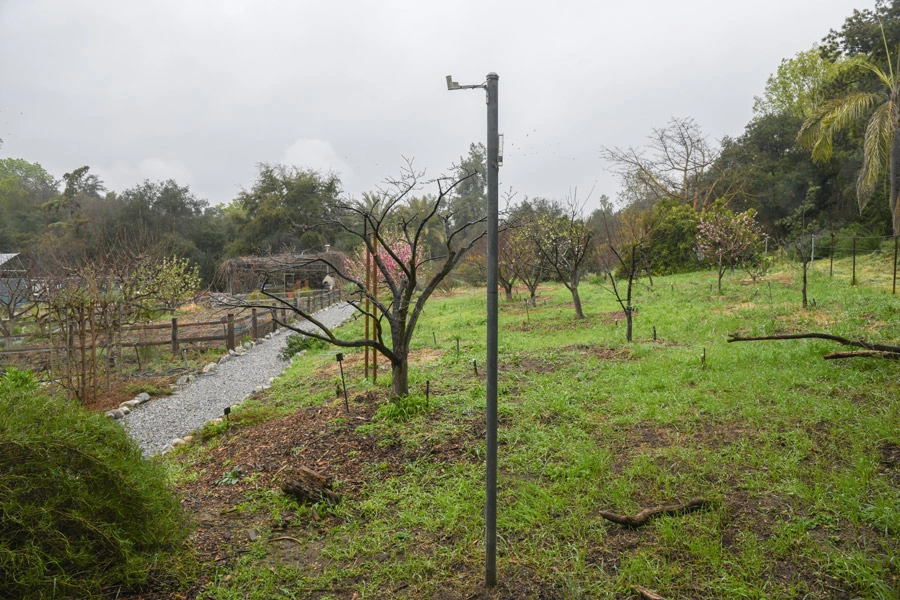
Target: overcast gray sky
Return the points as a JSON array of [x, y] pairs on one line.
[[201, 91]]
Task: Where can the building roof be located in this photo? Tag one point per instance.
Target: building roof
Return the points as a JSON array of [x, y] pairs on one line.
[[7, 257]]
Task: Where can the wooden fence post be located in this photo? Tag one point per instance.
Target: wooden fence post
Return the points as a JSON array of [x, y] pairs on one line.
[[254, 324], [229, 336], [894, 288], [831, 266], [273, 312], [174, 336]]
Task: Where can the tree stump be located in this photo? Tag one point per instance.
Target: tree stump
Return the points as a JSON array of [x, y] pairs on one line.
[[309, 487]]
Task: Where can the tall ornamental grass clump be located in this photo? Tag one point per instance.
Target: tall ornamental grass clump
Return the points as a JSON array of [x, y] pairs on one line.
[[80, 509]]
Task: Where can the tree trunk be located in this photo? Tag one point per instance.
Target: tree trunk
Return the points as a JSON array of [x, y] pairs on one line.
[[721, 273], [804, 283], [577, 300], [533, 297], [11, 330], [895, 167], [400, 375], [508, 289], [629, 312]]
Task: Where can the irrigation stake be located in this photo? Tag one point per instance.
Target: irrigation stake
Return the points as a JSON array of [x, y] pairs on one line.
[[340, 359]]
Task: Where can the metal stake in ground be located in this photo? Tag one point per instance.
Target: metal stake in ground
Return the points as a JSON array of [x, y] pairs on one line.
[[340, 359]]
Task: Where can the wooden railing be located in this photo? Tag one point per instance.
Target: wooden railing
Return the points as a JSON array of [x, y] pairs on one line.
[[261, 319]]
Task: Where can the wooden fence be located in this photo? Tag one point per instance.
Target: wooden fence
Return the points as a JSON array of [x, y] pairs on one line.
[[260, 320]]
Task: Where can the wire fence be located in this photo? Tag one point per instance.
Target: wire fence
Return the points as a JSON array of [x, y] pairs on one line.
[[823, 249]]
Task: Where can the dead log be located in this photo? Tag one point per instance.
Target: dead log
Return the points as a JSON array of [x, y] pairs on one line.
[[863, 354], [648, 513], [646, 594], [870, 350], [309, 487]]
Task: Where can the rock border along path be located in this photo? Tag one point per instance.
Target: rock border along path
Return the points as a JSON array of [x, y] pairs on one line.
[[160, 424]]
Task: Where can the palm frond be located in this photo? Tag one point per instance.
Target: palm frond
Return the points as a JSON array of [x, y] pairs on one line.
[[833, 116], [886, 78], [876, 152]]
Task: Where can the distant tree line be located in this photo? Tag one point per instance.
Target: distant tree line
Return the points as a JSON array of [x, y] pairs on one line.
[[821, 145]]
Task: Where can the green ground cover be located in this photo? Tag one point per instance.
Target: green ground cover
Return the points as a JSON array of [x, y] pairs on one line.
[[798, 457]]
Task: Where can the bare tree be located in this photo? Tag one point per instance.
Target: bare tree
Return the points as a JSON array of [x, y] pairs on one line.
[[563, 243], [90, 297], [678, 162], [507, 255], [525, 261], [395, 240], [626, 246], [725, 239]]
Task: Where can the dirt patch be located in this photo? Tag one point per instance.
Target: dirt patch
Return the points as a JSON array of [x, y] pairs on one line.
[[527, 364], [603, 352], [251, 460], [538, 362], [611, 318], [512, 584], [889, 454]]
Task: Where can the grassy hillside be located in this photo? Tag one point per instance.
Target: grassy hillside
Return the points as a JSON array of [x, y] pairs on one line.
[[798, 458]]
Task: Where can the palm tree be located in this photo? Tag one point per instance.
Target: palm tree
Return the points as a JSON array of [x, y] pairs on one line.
[[881, 144]]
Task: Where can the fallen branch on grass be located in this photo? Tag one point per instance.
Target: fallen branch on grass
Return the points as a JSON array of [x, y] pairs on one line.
[[648, 513], [286, 538], [646, 594], [871, 350]]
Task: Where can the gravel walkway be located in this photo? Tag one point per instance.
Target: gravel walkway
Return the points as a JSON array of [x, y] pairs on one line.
[[155, 424]]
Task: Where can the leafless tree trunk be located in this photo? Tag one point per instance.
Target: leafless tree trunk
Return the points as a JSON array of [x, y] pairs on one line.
[[395, 238], [564, 244]]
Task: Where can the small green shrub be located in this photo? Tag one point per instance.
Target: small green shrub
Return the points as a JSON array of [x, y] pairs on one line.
[[402, 409], [297, 343], [82, 510], [230, 477], [153, 388]]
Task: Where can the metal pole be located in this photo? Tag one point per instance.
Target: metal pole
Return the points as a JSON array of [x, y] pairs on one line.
[[490, 507], [368, 288]]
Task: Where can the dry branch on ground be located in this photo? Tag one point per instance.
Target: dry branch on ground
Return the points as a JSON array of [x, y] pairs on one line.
[[871, 350], [648, 513]]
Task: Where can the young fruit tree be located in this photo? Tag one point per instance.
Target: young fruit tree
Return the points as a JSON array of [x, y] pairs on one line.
[[725, 239], [563, 243], [625, 259], [407, 274]]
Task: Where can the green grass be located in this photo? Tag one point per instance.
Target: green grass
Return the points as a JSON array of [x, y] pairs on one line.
[[82, 512], [791, 450]]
